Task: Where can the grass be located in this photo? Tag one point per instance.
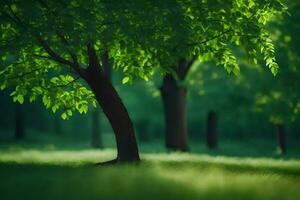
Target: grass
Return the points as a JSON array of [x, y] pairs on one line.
[[66, 174], [57, 171]]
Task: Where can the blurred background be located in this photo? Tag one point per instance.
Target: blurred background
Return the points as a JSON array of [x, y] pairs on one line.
[[249, 111]]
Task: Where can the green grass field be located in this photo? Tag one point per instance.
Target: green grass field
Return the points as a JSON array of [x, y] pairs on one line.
[[62, 169]]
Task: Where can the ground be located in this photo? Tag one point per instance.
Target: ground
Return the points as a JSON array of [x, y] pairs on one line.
[[35, 172]]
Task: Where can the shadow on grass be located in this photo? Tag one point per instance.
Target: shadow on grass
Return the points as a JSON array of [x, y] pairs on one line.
[[149, 180]]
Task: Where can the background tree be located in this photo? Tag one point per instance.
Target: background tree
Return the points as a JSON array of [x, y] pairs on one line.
[[19, 120], [223, 98], [281, 100], [210, 31]]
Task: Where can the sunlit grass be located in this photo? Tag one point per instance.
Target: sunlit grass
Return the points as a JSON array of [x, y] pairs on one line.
[[89, 156], [71, 174], [63, 169]]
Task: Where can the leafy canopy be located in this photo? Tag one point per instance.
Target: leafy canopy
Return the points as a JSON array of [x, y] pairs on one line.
[[41, 40]]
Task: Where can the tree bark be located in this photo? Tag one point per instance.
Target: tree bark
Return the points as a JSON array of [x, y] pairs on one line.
[[96, 130], [280, 132], [57, 126], [211, 130], [112, 107], [96, 140], [174, 102], [142, 130], [19, 122]]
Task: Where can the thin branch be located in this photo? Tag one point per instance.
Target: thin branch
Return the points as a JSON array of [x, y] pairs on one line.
[[75, 65], [188, 67], [191, 62], [56, 57], [64, 85], [25, 74], [211, 38], [221, 34], [184, 67], [42, 56], [12, 12], [53, 55]]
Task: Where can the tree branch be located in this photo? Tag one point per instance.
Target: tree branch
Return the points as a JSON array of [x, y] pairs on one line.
[[187, 67], [211, 38], [221, 34], [10, 17], [184, 67], [53, 55], [60, 35], [13, 13], [64, 85], [41, 56], [25, 74], [56, 57]]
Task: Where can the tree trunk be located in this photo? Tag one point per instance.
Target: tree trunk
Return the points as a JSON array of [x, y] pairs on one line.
[[211, 130], [57, 126], [19, 122], [96, 130], [174, 102], [142, 130], [280, 132], [112, 107], [96, 125]]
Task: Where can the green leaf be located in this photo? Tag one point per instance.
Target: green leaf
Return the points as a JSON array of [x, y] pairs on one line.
[[54, 108], [125, 80], [46, 101], [64, 116], [20, 99], [94, 103]]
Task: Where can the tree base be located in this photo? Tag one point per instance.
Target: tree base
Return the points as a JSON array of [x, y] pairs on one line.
[[117, 162]]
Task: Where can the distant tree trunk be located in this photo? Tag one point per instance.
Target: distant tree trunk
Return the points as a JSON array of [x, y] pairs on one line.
[[112, 107], [41, 125], [174, 102], [280, 132], [57, 126], [96, 130], [19, 122], [142, 129], [211, 130]]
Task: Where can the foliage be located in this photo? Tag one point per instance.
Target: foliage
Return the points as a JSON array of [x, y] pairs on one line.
[[282, 99], [38, 48]]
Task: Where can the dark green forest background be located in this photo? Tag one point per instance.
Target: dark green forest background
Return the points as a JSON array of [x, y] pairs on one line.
[[246, 109]]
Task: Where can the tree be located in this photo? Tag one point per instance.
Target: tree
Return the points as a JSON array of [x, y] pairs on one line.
[[47, 51], [57, 126], [281, 100], [211, 31], [174, 102], [19, 122], [225, 100], [211, 130]]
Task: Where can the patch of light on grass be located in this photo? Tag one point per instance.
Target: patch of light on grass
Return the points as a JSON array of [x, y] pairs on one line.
[[57, 157]]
